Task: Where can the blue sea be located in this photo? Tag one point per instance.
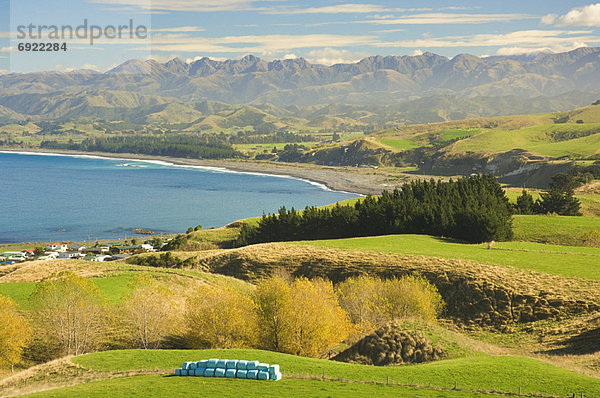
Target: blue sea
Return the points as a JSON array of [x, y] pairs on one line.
[[57, 198]]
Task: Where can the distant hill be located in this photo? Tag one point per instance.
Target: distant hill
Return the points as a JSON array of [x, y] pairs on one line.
[[424, 88]]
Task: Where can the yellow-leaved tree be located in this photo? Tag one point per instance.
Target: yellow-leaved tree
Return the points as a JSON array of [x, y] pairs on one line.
[[220, 318], [14, 333], [149, 312], [70, 313], [302, 318]]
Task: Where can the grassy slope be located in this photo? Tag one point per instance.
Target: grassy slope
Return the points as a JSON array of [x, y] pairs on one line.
[[501, 373], [570, 262], [553, 229]]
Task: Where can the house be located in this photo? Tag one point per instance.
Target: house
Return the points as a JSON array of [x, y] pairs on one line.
[[51, 254], [45, 258], [125, 249], [71, 255], [120, 256], [147, 247], [28, 253], [13, 256], [56, 247], [97, 249], [101, 258], [76, 248]]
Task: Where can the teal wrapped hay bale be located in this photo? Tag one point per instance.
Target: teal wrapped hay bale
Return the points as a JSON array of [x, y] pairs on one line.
[[241, 374], [252, 374], [199, 372], [177, 372], [201, 364], [251, 365], [211, 363], [220, 372], [276, 376], [273, 369], [263, 375], [185, 365], [184, 372], [241, 364], [262, 366], [209, 372], [231, 364], [191, 366], [221, 363], [230, 373]]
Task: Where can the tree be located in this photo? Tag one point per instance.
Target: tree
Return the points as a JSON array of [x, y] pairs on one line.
[[525, 203], [14, 333], [359, 297], [69, 311], [315, 321], [559, 202], [39, 251], [148, 312], [272, 299], [220, 318]]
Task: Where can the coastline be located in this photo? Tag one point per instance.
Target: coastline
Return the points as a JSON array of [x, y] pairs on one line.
[[344, 179]]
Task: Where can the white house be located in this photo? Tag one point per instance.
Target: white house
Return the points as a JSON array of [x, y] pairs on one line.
[[77, 248], [101, 258], [57, 247], [51, 254], [73, 255], [148, 248]]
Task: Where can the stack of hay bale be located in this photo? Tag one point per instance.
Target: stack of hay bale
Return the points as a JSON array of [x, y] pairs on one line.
[[232, 368]]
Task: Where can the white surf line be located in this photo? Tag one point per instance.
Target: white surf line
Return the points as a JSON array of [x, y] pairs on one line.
[[171, 164]]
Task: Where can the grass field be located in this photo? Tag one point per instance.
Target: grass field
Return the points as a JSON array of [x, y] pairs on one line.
[[580, 262], [481, 372], [538, 139], [114, 288], [561, 230]]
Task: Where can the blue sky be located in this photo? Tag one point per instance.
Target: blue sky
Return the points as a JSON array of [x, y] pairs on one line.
[[326, 31]]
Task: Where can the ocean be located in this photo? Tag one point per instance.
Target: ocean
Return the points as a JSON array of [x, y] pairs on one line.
[[59, 198]]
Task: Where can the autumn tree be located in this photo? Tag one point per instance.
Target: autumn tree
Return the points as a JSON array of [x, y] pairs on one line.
[[220, 318], [69, 311], [148, 312], [272, 299], [14, 333], [371, 302]]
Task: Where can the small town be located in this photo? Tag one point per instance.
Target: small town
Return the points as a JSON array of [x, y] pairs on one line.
[[75, 251]]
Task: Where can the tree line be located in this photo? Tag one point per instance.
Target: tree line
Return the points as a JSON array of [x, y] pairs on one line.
[[558, 199], [471, 209], [71, 316], [182, 146]]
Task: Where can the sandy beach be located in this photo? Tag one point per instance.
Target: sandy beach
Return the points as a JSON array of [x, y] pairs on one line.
[[348, 179]]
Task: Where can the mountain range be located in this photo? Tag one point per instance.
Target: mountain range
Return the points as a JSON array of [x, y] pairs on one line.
[[447, 89]]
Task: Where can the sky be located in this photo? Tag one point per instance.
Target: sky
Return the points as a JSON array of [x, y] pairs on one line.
[[322, 31]]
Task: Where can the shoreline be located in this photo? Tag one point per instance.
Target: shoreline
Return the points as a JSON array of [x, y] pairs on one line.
[[341, 179]]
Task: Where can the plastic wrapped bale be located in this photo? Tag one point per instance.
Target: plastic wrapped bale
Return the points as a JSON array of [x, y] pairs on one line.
[[241, 364], [220, 372], [251, 365], [263, 375], [177, 372], [209, 372], [273, 369], [262, 366], [231, 364], [211, 363], [201, 364], [221, 363], [241, 374], [199, 372], [230, 373], [184, 372], [185, 365], [191, 366], [252, 374], [276, 376]]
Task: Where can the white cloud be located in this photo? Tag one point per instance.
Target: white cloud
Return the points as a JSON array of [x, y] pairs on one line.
[[331, 56], [556, 39], [580, 16], [337, 9], [5, 49], [182, 5], [417, 52], [180, 29], [255, 44], [290, 56], [530, 51], [448, 18]]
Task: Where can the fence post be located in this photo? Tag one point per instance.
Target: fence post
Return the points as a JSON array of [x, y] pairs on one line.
[[388, 380], [455, 385]]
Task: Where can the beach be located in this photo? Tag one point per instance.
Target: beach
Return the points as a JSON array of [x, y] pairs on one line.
[[362, 181]]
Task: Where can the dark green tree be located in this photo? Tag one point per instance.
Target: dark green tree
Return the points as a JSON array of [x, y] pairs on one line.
[[525, 203]]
